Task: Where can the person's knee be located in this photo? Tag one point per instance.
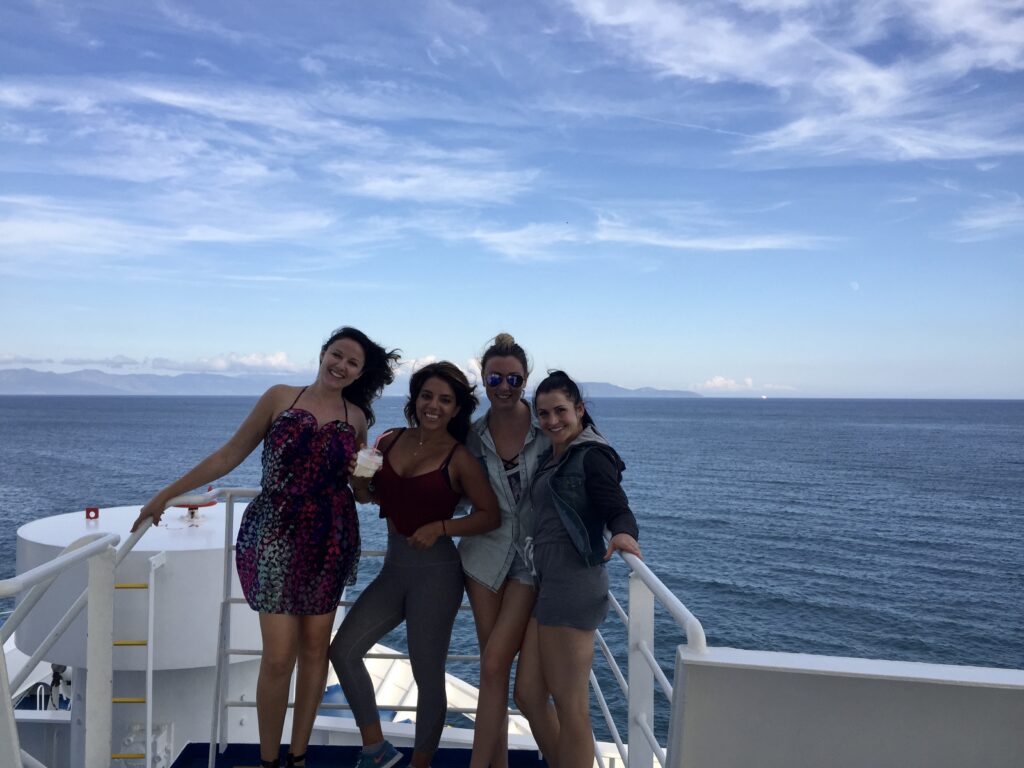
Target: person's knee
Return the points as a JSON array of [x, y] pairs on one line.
[[342, 654], [571, 704], [279, 664], [530, 699], [314, 650], [494, 668]]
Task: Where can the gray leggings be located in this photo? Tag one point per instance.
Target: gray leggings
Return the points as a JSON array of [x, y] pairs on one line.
[[423, 587]]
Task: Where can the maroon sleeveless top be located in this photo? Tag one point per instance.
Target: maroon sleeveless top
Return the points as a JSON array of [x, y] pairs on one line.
[[410, 502]]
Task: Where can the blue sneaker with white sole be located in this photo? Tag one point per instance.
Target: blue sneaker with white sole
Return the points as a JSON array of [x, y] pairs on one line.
[[384, 756]]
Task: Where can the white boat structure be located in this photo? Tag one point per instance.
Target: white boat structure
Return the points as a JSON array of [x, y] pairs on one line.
[[163, 658]]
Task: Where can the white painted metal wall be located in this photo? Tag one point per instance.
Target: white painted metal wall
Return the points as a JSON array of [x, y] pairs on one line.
[[737, 709]]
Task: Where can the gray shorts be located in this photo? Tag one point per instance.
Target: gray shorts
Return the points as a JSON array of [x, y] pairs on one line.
[[570, 593], [520, 571]]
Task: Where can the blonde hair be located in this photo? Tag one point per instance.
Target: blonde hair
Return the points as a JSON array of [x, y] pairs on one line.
[[504, 345]]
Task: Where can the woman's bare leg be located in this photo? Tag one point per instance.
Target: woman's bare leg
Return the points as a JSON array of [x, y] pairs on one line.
[[314, 640], [499, 648], [566, 655], [280, 644], [533, 698]]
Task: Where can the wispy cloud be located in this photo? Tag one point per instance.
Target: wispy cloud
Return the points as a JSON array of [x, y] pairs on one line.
[[9, 360], [313, 65], [532, 242], [993, 219], [431, 183], [256, 362], [194, 22], [834, 97], [117, 361], [725, 384], [617, 232]]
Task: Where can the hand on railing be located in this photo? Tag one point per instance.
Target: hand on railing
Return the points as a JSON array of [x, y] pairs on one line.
[[154, 509], [151, 512], [623, 542]]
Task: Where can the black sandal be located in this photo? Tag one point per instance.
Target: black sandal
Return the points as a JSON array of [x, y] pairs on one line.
[[295, 760], [269, 763]]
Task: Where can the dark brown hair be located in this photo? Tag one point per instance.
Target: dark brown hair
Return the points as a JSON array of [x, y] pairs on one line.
[[465, 397], [378, 370]]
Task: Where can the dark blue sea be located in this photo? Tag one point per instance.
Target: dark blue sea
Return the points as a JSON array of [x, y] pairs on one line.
[[873, 528]]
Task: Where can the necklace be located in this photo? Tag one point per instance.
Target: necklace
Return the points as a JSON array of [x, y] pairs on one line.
[[419, 442]]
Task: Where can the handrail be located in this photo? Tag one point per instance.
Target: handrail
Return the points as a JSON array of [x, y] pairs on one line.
[[695, 638], [17, 584], [98, 550], [35, 594], [213, 494], [643, 669], [108, 539]]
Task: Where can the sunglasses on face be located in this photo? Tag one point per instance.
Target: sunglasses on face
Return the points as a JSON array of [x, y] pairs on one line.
[[514, 380]]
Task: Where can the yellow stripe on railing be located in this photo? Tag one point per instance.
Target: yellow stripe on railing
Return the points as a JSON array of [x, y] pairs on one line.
[[130, 642], [129, 700], [128, 756], [132, 585]]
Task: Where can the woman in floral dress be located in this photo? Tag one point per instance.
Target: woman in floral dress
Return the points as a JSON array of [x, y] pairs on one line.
[[299, 538]]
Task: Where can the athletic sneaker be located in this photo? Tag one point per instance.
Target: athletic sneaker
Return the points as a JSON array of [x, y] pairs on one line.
[[384, 757]]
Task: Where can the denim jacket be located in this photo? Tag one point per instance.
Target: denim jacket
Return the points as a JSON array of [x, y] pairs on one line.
[[585, 518], [488, 557]]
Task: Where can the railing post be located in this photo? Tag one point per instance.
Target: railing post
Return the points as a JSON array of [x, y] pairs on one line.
[[155, 562], [218, 718], [641, 678], [8, 729], [99, 690]]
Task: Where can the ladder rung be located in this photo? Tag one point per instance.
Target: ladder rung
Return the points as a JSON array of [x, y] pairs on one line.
[[243, 652], [129, 700], [128, 756], [129, 642], [237, 600], [132, 585]]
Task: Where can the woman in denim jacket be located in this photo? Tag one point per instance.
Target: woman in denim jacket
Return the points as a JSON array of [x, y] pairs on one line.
[[498, 579], [575, 495]]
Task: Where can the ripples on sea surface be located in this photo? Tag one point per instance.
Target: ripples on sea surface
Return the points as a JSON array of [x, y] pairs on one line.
[[880, 529]]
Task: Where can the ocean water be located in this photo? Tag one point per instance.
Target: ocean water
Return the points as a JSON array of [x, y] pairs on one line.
[[879, 529]]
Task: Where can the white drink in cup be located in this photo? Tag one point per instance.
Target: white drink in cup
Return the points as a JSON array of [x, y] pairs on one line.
[[368, 461]]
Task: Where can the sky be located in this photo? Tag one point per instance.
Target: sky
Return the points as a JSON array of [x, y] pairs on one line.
[[738, 197]]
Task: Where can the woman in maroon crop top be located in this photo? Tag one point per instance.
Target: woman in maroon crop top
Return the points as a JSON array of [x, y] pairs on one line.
[[426, 471]]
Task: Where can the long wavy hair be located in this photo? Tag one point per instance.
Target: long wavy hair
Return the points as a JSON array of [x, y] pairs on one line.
[[378, 370], [465, 397]]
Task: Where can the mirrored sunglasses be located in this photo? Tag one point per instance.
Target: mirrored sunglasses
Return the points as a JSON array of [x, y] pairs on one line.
[[514, 380]]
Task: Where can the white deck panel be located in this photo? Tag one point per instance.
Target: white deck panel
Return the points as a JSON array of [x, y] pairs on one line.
[[736, 708]]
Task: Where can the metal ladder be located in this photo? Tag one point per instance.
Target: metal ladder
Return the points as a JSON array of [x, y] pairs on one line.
[[218, 721], [155, 562]]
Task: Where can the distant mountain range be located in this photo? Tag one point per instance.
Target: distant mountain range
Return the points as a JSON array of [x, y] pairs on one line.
[[25, 381]]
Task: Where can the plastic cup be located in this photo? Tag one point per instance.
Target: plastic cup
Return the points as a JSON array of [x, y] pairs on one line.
[[368, 461]]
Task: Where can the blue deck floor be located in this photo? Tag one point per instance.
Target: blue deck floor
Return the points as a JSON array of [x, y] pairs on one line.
[[247, 756]]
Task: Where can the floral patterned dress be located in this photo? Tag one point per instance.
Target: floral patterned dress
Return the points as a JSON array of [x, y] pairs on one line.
[[299, 538]]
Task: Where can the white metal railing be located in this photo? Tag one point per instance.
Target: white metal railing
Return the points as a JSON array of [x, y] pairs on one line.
[[98, 550], [218, 718], [637, 685], [645, 590], [643, 670]]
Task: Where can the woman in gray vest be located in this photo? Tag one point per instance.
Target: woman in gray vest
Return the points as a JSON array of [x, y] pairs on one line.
[[575, 495], [498, 580]]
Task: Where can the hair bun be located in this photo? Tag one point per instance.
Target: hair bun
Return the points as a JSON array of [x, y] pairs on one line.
[[504, 340]]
